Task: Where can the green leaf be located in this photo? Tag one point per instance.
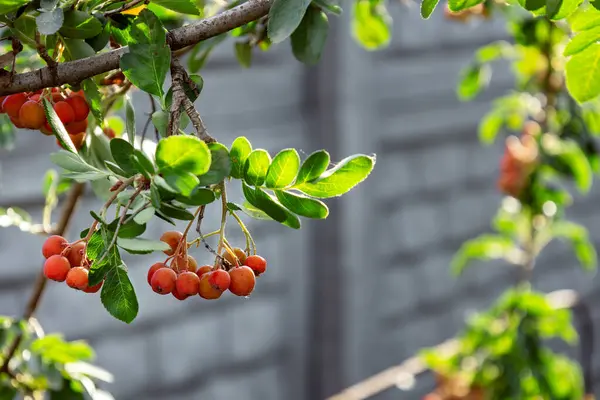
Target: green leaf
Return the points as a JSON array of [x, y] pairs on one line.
[[328, 5], [371, 24], [181, 6], [7, 6], [243, 53], [490, 126], [92, 95], [583, 74], [115, 169], [24, 28], [100, 41], [256, 167], [587, 17], [220, 166], [473, 79], [283, 169], [76, 49], [49, 22], [122, 152], [574, 159], [459, 5], [180, 154], [578, 236], [145, 215], [54, 349], [270, 206], [560, 9], [427, 8], [154, 193], [302, 205], [147, 29], [130, 119], [176, 212], [582, 41], [146, 66], [80, 25], [118, 295], [7, 133], [140, 244], [284, 18], [143, 163], [484, 247], [240, 150], [58, 128], [160, 119], [340, 179], [183, 182], [198, 197], [130, 229], [199, 55], [313, 166], [308, 41]]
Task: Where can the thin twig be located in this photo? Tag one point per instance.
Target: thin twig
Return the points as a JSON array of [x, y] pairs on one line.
[[41, 49], [40, 284], [199, 231]]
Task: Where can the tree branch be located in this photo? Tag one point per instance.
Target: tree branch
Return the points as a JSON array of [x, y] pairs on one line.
[[76, 71]]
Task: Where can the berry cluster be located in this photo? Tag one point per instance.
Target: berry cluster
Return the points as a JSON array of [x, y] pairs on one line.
[[26, 111], [179, 273], [67, 261], [519, 160]]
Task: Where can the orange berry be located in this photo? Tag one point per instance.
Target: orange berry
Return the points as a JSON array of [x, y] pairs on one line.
[[76, 254], [257, 264], [93, 289], [12, 104], [187, 283], [77, 278], [163, 281], [203, 270], [155, 267], [16, 122], [56, 97], [219, 279], [206, 290], [56, 268], [178, 295], [172, 238], [32, 115], [80, 107], [239, 253], [35, 97], [180, 264], [64, 111], [242, 280], [76, 127], [54, 245]]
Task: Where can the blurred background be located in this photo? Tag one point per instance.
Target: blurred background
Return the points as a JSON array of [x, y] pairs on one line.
[[343, 298]]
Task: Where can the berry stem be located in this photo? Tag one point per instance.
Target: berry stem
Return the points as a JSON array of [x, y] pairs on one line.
[[198, 240], [184, 237], [249, 239], [40, 284], [223, 220]]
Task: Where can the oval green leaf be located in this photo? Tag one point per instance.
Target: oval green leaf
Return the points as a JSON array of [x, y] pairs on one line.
[[308, 41], [340, 179], [270, 206], [283, 169], [313, 166], [240, 150], [80, 25], [256, 167], [182, 154], [583, 74], [118, 295], [284, 18], [302, 205], [122, 153], [220, 166]]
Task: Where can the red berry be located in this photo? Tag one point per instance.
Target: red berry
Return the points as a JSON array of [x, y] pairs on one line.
[[76, 254], [76, 127], [239, 254], [172, 238], [93, 289], [257, 264], [80, 107], [65, 112], [32, 115], [163, 281], [12, 104], [56, 97], [77, 278], [35, 97], [219, 279], [187, 283], [54, 245], [180, 264], [78, 140], [1, 101], [46, 129], [178, 295], [56, 268], [242, 280], [206, 290], [155, 267], [203, 270], [16, 122]]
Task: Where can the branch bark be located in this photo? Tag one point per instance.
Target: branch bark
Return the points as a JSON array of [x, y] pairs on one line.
[[76, 71]]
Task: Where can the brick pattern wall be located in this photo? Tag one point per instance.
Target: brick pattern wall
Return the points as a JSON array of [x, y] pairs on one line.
[[344, 298]]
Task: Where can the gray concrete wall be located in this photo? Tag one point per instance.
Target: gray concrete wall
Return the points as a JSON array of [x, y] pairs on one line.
[[343, 298]]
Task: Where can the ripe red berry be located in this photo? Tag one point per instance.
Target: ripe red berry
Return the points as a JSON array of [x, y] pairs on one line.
[[257, 264], [35, 97], [76, 254], [2, 101], [16, 122], [206, 290], [93, 289], [56, 268], [32, 115], [180, 264], [155, 267], [77, 278], [239, 254], [12, 104], [80, 107], [242, 281], [76, 127], [46, 129], [219, 279], [171, 238], [54, 245], [163, 281], [203, 270], [177, 295], [187, 283], [56, 97], [65, 112]]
